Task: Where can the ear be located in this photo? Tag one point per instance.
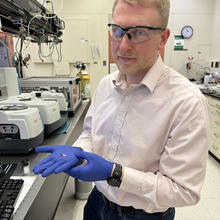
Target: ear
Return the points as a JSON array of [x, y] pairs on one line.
[[163, 40]]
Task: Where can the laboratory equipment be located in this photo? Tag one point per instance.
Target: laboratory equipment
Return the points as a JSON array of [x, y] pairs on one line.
[[29, 18], [85, 79], [53, 96], [68, 85], [21, 129], [49, 110], [32, 21]]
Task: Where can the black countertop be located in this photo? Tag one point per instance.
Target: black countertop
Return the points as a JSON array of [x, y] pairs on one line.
[[213, 94], [33, 157]]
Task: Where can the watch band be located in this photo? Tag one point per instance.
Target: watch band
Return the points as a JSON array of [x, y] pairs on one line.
[[115, 179]]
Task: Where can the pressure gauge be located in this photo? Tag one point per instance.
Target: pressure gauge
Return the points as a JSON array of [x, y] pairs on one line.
[[187, 31]]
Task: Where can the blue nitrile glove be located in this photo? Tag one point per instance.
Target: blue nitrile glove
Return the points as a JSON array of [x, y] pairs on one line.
[[62, 157], [96, 168]]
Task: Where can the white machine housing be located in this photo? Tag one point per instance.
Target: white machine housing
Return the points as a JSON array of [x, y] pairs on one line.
[[68, 85], [21, 129], [49, 110], [52, 95], [8, 82]]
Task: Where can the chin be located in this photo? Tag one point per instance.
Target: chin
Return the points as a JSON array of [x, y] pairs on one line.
[[124, 68], [128, 71]]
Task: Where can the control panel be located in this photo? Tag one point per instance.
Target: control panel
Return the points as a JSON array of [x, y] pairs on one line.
[[8, 131]]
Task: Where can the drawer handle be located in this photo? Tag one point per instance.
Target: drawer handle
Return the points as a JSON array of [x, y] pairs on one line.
[[214, 147], [216, 135]]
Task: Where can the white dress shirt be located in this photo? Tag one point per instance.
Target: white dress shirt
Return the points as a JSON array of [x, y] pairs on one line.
[[157, 130]]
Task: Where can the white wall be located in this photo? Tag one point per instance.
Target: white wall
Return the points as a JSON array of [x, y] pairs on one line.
[[216, 31], [199, 15]]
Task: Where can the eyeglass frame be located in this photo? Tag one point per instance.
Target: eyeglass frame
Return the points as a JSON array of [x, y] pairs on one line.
[[126, 29]]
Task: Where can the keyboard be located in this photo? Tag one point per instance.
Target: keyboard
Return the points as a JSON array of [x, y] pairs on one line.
[[6, 170], [9, 191]]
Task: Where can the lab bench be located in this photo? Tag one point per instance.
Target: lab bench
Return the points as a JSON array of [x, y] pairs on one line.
[[214, 115], [40, 197]]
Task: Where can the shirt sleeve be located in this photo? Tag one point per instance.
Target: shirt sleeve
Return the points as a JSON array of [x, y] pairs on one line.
[[182, 167]]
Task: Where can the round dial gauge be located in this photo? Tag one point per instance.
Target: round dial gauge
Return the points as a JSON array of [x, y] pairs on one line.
[[187, 31]]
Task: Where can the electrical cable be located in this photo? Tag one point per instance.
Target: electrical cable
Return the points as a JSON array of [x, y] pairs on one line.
[[43, 2], [20, 57], [61, 56], [29, 36], [59, 59], [50, 52], [39, 55], [27, 45], [16, 45], [28, 28]]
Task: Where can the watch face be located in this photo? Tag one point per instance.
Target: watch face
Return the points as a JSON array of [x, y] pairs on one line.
[[114, 182], [187, 31], [115, 179]]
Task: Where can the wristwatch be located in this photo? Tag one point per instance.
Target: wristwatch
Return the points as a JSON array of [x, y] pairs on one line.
[[115, 179]]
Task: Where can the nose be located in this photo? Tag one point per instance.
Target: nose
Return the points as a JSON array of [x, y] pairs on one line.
[[125, 43]]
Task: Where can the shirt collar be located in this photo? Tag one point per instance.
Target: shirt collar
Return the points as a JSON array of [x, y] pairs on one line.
[[153, 75], [118, 80], [150, 79]]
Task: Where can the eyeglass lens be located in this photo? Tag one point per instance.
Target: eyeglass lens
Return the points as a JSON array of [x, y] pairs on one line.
[[136, 35]]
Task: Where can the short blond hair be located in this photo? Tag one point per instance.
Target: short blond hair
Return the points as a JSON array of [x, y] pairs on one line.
[[163, 7]]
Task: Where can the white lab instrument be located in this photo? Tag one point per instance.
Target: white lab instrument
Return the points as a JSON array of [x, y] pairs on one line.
[[68, 85], [53, 96], [207, 79], [21, 129], [49, 110]]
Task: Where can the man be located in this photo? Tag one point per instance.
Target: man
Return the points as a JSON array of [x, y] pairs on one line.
[[146, 129]]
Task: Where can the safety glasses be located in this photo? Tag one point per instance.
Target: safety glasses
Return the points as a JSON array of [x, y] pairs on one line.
[[136, 34]]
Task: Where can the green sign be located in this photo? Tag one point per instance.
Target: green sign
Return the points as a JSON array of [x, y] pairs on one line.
[[178, 42]]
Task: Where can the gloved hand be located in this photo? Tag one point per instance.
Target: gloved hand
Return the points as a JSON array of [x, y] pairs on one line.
[[62, 157], [96, 168]]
